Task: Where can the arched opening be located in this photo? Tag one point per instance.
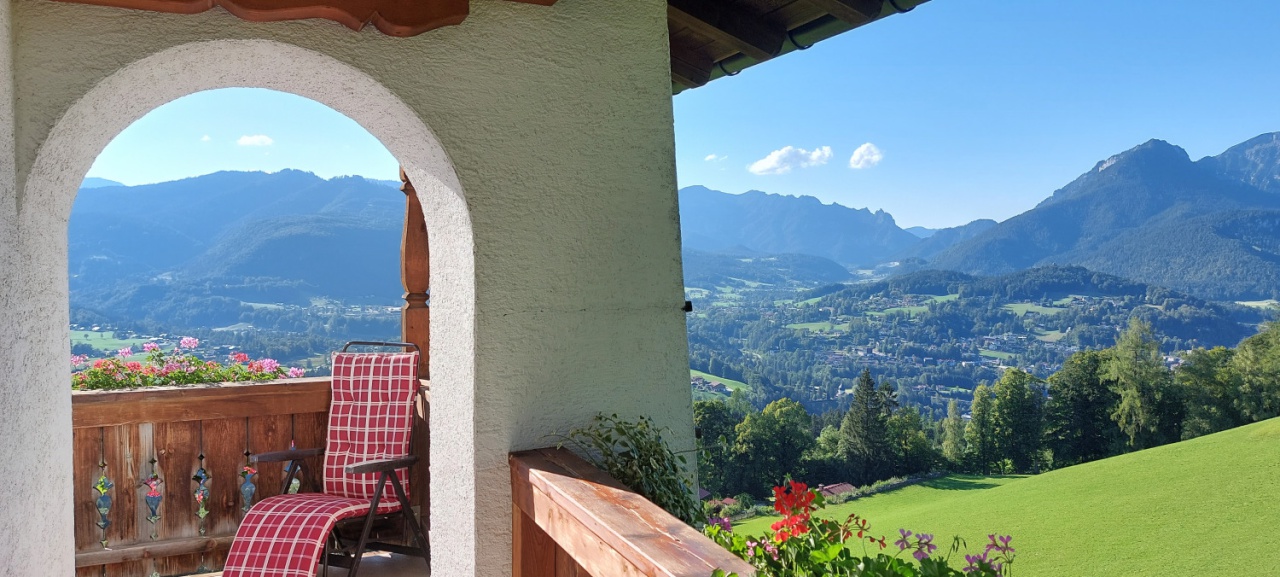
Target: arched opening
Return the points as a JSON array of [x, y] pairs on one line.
[[124, 97]]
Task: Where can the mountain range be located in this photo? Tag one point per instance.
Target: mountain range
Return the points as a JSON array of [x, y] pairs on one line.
[[256, 237], [1209, 227]]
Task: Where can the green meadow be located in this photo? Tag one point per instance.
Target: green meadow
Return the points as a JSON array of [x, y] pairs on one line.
[[732, 384], [103, 340], [1204, 507], [1023, 308]]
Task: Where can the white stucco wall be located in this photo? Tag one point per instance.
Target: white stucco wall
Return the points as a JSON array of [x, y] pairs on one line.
[[558, 125]]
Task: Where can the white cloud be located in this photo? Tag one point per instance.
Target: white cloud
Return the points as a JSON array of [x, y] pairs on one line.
[[866, 156], [787, 158], [715, 158], [255, 140], [205, 138]]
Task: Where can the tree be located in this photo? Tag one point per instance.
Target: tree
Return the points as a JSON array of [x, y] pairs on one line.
[[1213, 390], [953, 435], [715, 423], [1019, 419], [1140, 378], [980, 435], [770, 445], [864, 443], [910, 448], [1078, 424], [1257, 360]]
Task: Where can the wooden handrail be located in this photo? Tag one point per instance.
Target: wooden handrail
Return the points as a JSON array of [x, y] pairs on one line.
[[569, 517]]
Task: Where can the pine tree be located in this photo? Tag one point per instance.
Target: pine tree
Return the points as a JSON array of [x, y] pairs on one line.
[[1142, 381], [1019, 419], [864, 433], [980, 435], [953, 434]]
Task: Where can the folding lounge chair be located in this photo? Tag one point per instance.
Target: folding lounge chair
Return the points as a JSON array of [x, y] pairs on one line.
[[367, 448]]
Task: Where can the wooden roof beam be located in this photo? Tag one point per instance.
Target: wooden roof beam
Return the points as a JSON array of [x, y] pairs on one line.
[[750, 35], [851, 11], [689, 67]]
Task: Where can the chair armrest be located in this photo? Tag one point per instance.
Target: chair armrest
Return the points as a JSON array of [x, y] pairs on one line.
[[381, 465], [280, 456]]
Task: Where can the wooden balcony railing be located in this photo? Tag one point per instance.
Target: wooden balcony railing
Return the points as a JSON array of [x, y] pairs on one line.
[[570, 519], [127, 437]]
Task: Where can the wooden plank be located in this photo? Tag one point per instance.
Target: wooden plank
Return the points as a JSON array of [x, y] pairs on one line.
[[146, 454], [537, 552], [269, 433], [196, 403], [124, 466], [565, 565], [309, 431], [87, 452], [153, 549], [224, 447], [856, 12], [606, 528], [745, 32], [177, 446]]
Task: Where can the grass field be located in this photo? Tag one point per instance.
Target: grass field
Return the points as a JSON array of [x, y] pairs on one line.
[[103, 340], [732, 384], [996, 354], [1050, 336], [1205, 507], [1267, 304], [819, 327], [1023, 308]]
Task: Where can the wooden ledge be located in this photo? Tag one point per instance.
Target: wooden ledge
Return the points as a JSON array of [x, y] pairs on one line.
[[199, 402], [604, 527]]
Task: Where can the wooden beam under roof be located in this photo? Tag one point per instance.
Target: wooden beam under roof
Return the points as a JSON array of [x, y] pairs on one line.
[[689, 68], [851, 11], [749, 34]]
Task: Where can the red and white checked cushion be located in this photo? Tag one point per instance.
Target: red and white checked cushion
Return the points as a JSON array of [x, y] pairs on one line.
[[284, 535], [370, 418]]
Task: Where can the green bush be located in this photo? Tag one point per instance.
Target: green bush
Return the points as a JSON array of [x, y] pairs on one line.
[[636, 455]]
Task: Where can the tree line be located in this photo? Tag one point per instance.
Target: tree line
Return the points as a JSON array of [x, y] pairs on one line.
[[1100, 404]]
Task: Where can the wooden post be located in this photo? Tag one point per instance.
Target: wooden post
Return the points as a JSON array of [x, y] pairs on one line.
[[415, 275]]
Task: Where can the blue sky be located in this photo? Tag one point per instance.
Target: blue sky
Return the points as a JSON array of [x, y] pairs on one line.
[[971, 109]]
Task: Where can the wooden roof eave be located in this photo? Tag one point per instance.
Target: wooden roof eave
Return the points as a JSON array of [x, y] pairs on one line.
[[801, 24]]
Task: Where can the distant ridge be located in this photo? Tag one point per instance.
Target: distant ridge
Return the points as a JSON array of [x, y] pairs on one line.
[[775, 224], [95, 182], [1150, 214]]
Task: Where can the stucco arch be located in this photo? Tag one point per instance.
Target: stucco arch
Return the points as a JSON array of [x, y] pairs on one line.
[[44, 207]]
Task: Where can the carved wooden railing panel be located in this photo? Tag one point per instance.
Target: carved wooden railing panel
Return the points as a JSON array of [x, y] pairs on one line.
[[135, 451], [572, 519]]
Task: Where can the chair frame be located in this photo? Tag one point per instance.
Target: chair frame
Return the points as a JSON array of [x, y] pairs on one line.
[[349, 556]]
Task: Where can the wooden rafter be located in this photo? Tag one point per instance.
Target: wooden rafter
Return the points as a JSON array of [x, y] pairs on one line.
[[689, 67], [391, 17], [851, 11], [751, 35]]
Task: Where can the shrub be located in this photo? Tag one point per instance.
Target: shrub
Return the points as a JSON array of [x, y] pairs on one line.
[[801, 545], [637, 456]]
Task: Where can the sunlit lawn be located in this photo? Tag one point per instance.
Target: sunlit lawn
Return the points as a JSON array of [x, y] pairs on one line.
[[1209, 506]]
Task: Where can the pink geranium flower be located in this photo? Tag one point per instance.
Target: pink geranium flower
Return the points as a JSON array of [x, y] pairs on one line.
[[189, 342]]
